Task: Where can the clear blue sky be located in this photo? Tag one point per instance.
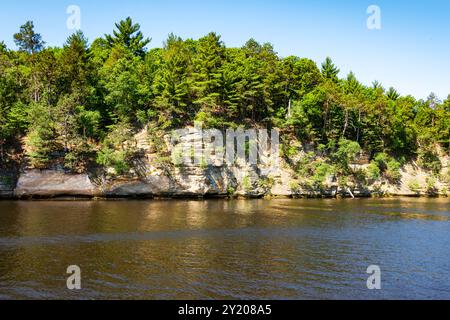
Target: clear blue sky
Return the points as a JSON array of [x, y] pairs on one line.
[[411, 51]]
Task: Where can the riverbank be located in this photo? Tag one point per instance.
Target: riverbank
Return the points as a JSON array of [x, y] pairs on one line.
[[205, 184], [301, 172]]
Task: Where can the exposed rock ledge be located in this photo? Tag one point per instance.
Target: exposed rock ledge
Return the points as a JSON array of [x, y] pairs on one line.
[[193, 182], [187, 183], [50, 184]]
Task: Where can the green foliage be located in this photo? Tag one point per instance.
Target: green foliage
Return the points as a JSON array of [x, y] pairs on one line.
[[393, 171], [329, 69], [41, 139], [231, 191], [118, 149], [70, 103], [431, 185], [414, 186], [246, 184], [373, 171], [27, 40], [429, 160], [314, 171], [128, 35], [266, 183], [345, 154], [322, 171], [294, 186], [381, 160]]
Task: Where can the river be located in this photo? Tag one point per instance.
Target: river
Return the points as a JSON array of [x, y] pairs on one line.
[[216, 249]]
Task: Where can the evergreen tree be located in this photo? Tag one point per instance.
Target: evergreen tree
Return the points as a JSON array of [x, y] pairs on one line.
[[28, 40], [329, 70], [129, 36]]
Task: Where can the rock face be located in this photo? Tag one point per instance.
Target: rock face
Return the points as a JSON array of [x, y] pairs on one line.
[[192, 182], [149, 179], [51, 184], [185, 182]]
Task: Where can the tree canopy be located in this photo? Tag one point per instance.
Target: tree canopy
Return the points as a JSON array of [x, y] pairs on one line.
[[82, 100]]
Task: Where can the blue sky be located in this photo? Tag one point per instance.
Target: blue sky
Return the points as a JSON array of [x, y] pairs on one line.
[[411, 51]]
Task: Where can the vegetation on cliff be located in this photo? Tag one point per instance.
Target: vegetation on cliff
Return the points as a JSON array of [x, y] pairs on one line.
[[83, 102]]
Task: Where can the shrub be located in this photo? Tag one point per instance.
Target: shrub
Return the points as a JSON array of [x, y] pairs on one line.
[[373, 171], [346, 153], [431, 185], [414, 186], [118, 150], [266, 183], [306, 164], [429, 160], [381, 159], [294, 186], [321, 173], [393, 171], [246, 183]]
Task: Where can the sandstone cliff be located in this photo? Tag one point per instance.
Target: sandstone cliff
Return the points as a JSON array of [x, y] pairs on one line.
[[148, 179]]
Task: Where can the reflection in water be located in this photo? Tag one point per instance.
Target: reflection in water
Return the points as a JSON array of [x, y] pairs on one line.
[[278, 249]]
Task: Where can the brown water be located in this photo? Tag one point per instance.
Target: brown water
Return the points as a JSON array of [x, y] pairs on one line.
[[278, 249]]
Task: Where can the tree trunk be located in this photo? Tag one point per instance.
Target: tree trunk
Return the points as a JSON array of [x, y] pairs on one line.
[[351, 193], [345, 124], [358, 131], [289, 109]]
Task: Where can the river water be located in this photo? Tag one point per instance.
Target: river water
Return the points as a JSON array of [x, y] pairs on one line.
[[215, 249]]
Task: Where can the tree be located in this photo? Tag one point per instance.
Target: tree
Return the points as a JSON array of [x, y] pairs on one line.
[[207, 62], [27, 40], [172, 83], [128, 35], [329, 70], [76, 70], [300, 76], [41, 140], [392, 94], [126, 93]]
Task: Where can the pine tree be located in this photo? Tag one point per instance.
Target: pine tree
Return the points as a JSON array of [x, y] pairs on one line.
[[129, 36], [329, 70], [207, 62], [28, 40]]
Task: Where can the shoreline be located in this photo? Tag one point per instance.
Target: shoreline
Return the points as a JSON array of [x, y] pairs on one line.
[[209, 198]]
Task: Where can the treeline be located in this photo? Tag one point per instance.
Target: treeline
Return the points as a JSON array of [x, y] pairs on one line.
[[83, 102]]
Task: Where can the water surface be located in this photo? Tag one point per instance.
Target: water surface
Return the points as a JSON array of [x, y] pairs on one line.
[[253, 249]]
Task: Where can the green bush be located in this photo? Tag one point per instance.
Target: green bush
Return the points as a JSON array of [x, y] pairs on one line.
[[381, 159], [112, 158], [431, 185], [393, 171], [294, 186], [118, 149], [246, 184], [429, 160], [373, 171], [266, 183], [414, 186], [321, 173]]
